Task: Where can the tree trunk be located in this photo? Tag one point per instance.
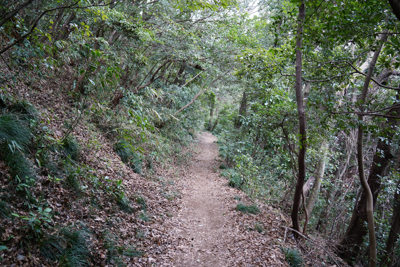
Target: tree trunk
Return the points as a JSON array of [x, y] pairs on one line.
[[242, 110], [65, 29], [302, 123], [211, 115], [312, 199], [364, 208], [215, 124]]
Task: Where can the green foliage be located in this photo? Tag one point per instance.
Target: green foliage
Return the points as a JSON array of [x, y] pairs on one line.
[[113, 251], [36, 222], [128, 155], [25, 109], [77, 252], [253, 209], [223, 166], [235, 180], [70, 148], [5, 211], [14, 137], [293, 257], [142, 202], [69, 247]]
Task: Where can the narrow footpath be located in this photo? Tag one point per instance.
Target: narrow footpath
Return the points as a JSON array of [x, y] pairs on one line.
[[211, 231]]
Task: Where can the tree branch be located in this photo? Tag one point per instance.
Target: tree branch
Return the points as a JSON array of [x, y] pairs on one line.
[[23, 37], [200, 92]]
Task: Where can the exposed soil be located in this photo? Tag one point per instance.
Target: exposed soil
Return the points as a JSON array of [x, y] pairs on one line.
[[211, 231]]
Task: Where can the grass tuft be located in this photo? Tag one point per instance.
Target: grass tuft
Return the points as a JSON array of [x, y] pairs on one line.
[[26, 109], [77, 252], [14, 137], [128, 155], [293, 257], [253, 209], [71, 148], [5, 211]]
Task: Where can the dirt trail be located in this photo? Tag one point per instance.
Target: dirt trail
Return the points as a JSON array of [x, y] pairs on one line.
[[202, 215], [211, 231]]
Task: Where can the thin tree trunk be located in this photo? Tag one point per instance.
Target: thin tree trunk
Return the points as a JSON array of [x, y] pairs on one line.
[[302, 124], [364, 209], [312, 199]]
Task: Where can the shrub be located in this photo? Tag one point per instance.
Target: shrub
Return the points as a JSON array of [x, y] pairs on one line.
[[293, 257], [235, 180], [253, 209]]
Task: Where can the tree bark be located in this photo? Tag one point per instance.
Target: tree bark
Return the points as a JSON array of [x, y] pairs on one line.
[[364, 209], [302, 123]]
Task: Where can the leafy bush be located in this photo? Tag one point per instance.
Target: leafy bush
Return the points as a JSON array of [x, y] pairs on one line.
[[293, 257], [253, 209], [235, 180]]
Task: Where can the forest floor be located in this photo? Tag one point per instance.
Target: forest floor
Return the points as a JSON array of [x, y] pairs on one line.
[[211, 230]]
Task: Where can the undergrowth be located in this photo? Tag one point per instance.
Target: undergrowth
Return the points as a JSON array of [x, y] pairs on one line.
[[253, 209], [293, 257]]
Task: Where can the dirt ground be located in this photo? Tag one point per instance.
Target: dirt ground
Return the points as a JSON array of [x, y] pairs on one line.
[[213, 233]]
